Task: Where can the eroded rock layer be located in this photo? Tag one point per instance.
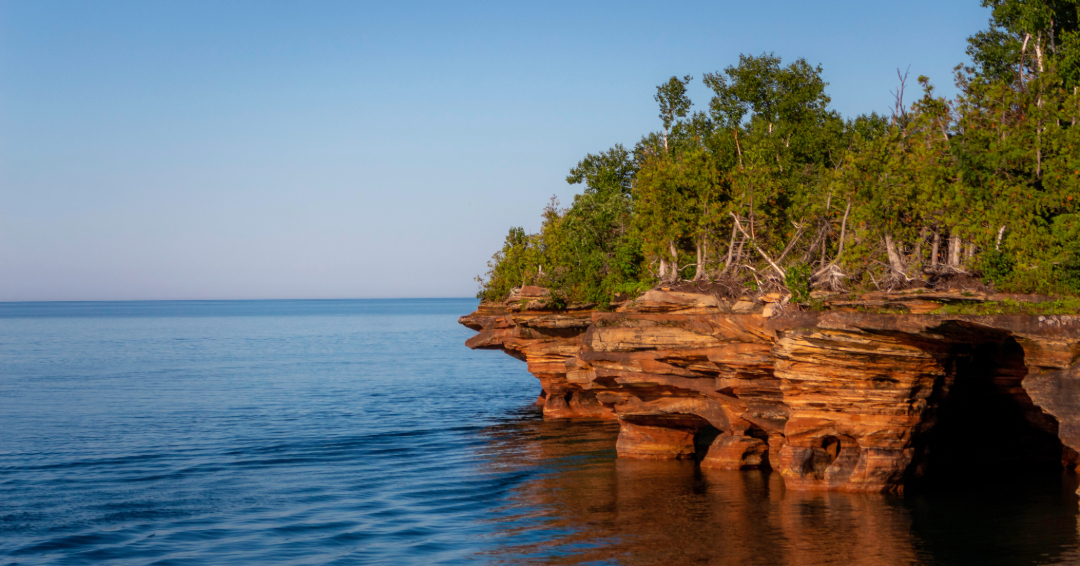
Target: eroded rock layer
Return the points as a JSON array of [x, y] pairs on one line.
[[832, 400]]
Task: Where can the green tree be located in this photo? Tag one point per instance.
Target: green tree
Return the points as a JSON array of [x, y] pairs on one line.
[[774, 189], [674, 103], [1024, 37]]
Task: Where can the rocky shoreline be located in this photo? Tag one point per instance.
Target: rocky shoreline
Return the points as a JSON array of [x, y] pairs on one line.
[[840, 398]]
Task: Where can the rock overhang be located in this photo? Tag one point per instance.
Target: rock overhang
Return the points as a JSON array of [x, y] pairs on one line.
[[833, 400]]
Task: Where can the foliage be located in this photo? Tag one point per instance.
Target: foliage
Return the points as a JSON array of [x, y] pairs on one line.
[[797, 280], [1025, 35], [769, 189], [510, 267], [996, 266]]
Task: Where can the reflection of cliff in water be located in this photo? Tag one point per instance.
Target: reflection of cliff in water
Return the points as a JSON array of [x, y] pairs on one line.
[[578, 504]]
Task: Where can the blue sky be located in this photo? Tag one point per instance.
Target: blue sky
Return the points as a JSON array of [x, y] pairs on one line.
[[235, 150]]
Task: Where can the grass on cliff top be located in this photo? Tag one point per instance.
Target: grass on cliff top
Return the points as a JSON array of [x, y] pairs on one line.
[[1065, 305], [1068, 305]]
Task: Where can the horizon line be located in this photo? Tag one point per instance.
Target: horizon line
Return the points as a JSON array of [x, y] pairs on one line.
[[7, 302]]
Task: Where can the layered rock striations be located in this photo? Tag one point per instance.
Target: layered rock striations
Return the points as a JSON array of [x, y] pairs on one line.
[[833, 400]]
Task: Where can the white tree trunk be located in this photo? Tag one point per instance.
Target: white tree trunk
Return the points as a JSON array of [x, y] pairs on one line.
[[895, 262], [1039, 51], [954, 250], [935, 251], [730, 251], [699, 272], [843, 233], [1023, 55], [673, 274]]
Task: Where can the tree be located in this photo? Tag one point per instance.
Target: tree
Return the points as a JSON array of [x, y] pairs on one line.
[[674, 103], [609, 172], [1024, 36], [768, 184]]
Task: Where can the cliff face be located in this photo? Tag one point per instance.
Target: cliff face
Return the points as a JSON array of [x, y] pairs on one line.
[[832, 400]]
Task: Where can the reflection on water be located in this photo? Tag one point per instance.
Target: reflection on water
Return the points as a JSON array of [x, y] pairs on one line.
[[364, 433], [594, 509]]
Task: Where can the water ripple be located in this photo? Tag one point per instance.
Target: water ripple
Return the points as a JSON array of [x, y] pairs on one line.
[[353, 432]]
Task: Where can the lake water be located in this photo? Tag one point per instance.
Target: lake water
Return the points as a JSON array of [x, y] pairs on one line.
[[365, 432]]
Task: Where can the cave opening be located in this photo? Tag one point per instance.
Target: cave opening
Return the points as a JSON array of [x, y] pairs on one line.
[[703, 439], [986, 429]]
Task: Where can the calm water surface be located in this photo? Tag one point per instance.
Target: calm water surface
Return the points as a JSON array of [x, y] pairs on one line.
[[364, 432]]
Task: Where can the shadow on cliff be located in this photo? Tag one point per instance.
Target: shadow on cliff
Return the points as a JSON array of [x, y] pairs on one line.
[[986, 430]]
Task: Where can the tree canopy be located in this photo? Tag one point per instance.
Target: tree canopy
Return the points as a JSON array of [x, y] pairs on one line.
[[770, 189]]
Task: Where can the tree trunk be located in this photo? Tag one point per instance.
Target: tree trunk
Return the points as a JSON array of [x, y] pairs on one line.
[[1038, 152], [843, 233], [1039, 51], [730, 250], [738, 148], [673, 273], [739, 253], [751, 219], [824, 247], [895, 262], [1023, 55], [662, 272], [935, 250], [699, 272], [954, 250]]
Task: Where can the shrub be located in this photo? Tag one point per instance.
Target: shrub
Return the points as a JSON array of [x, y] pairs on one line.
[[996, 266], [797, 280]]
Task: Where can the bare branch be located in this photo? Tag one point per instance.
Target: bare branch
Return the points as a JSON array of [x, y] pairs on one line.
[[843, 230], [759, 250], [840, 250], [899, 112], [791, 244], [730, 250]]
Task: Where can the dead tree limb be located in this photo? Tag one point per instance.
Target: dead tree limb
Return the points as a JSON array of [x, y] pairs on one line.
[[758, 248], [791, 244], [840, 249], [730, 250]]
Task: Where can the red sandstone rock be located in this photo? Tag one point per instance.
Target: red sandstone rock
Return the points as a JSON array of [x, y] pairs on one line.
[[833, 401], [672, 441], [729, 452]]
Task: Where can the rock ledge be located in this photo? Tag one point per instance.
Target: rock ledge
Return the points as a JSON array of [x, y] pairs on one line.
[[833, 400]]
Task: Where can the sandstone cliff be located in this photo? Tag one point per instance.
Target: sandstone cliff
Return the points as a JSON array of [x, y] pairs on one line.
[[832, 400]]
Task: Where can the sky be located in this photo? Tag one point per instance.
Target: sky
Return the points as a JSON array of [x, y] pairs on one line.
[[324, 149]]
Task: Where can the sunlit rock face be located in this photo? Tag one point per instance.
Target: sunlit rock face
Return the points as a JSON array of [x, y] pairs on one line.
[[833, 400]]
